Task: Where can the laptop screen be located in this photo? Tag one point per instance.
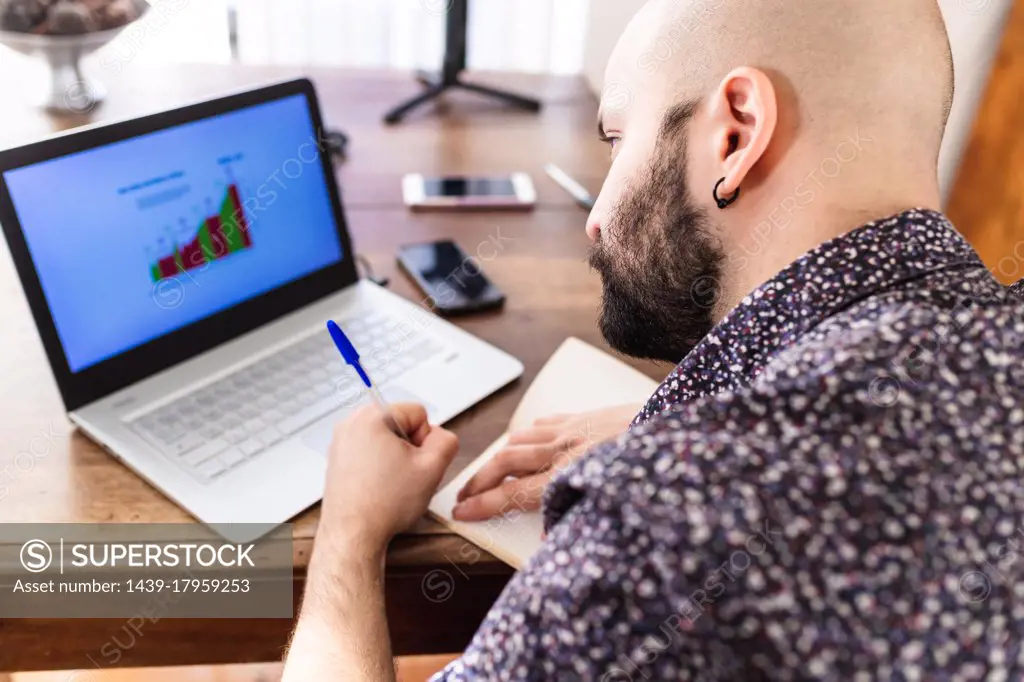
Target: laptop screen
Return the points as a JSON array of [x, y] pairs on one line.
[[134, 240]]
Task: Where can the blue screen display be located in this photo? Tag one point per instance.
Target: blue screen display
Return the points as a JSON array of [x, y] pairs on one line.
[[136, 239]]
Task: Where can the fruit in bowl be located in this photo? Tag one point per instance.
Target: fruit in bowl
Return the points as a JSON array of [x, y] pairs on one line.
[[67, 17], [62, 32]]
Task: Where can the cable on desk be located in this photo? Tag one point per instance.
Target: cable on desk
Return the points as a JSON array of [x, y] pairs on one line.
[[367, 269]]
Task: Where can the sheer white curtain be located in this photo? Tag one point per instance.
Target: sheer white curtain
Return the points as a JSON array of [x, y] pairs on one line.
[[504, 35], [517, 35]]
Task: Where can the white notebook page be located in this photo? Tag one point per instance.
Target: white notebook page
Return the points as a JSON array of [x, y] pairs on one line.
[[577, 378]]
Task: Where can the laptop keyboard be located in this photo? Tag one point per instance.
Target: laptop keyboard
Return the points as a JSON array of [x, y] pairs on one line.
[[224, 424]]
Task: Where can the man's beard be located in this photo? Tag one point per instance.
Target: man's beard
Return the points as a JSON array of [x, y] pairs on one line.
[[659, 262]]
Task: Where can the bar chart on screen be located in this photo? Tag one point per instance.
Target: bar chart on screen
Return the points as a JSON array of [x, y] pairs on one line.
[[203, 221], [219, 235]]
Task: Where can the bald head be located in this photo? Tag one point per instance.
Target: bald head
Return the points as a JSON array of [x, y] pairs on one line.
[[877, 63], [815, 116]]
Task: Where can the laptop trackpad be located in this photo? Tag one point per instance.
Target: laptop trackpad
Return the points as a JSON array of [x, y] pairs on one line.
[[318, 436]]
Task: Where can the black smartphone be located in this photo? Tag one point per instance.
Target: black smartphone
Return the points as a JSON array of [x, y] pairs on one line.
[[450, 277]]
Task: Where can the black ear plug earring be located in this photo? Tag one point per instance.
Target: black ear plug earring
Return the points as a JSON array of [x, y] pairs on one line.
[[725, 203]]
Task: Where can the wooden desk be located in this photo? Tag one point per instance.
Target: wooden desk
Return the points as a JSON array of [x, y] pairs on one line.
[[551, 295]]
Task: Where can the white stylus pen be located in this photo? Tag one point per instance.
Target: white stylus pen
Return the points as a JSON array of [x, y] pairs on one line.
[[577, 191]]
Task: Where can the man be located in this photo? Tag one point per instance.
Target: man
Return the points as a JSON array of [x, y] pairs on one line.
[[829, 484]]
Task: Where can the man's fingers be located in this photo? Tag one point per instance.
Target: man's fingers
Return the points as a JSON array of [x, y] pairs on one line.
[[440, 445], [544, 434], [551, 420], [412, 417], [515, 494], [514, 460]]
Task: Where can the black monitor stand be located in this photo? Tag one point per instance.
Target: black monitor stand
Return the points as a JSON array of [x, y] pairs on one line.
[[451, 73]]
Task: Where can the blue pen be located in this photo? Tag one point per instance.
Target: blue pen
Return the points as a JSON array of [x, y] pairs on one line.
[[348, 352]]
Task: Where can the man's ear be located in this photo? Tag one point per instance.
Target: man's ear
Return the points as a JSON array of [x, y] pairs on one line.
[[744, 115]]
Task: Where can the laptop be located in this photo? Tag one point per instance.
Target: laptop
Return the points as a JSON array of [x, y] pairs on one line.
[[180, 269]]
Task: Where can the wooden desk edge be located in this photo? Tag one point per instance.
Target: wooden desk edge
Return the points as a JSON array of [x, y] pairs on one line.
[[433, 606]]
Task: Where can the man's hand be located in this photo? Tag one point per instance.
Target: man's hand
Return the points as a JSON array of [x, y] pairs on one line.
[[377, 483], [533, 457]]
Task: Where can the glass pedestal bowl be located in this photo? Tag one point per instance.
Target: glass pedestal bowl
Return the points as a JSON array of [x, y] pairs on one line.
[[71, 90]]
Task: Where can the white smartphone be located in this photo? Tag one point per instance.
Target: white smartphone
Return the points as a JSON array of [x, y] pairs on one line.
[[514, 191]]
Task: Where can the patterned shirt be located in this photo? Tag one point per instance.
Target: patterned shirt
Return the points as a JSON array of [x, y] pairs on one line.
[[828, 487]]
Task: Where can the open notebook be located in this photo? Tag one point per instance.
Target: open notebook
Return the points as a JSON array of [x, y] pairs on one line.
[[577, 378]]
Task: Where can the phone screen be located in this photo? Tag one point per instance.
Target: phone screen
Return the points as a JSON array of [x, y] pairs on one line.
[[469, 187], [450, 276]]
